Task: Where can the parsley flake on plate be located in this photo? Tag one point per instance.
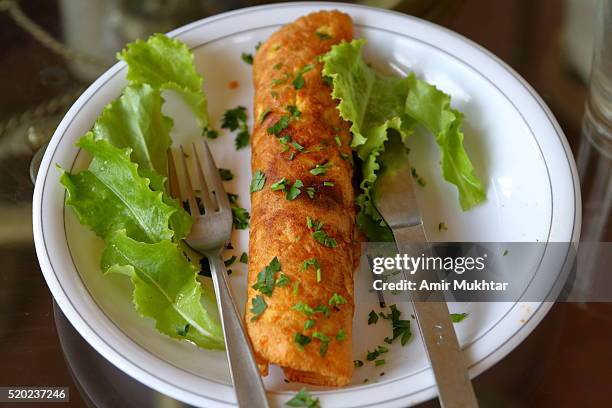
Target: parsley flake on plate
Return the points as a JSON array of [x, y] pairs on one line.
[[235, 119], [230, 261], [248, 58], [232, 118], [240, 216], [372, 318], [401, 328], [303, 399], [458, 317], [226, 174]]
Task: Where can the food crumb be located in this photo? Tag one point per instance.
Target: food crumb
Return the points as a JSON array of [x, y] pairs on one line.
[[233, 84], [442, 226]]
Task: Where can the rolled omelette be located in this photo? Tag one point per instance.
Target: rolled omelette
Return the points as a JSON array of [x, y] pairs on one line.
[[301, 242]]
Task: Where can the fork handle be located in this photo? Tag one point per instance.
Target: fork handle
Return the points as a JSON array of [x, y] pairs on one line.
[[248, 386]]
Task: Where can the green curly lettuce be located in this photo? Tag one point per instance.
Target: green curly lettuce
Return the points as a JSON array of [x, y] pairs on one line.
[[110, 195], [135, 120], [379, 105], [122, 195], [166, 288], [167, 63]]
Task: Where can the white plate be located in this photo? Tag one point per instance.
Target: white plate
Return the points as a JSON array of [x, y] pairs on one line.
[[517, 147]]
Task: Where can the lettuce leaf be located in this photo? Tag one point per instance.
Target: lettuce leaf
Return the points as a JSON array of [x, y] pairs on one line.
[[135, 120], [122, 196], [431, 108], [166, 288], [377, 105], [111, 195], [167, 63]]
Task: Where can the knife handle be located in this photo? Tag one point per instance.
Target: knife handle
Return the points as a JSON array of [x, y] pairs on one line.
[[455, 389]]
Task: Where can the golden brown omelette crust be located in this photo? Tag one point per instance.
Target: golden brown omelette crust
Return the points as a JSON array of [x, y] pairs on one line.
[[278, 226]]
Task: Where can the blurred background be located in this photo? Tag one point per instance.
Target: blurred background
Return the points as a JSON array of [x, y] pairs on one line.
[[51, 50]]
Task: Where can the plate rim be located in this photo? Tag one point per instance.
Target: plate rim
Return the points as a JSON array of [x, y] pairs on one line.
[[120, 361]]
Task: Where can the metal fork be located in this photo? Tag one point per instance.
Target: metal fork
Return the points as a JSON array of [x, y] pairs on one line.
[[210, 232]]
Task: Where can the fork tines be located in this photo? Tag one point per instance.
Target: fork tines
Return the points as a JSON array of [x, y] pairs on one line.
[[196, 181]]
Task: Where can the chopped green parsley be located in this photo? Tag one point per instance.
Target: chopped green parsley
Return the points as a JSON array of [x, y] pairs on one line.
[[259, 306], [279, 126], [248, 58], [458, 317], [210, 133], [341, 336], [226, 174], [230, 261], [266, 279], [294, 191], [235, 119], [279, 185], [401, 328], [303, 399], [320, 169], [337, 300], [323, 238], [240, 216], [299, 81], [372, 317], [420, 180], [283, 280], [302, 340], [294, 111], [258, 182]]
